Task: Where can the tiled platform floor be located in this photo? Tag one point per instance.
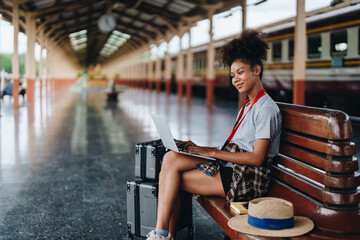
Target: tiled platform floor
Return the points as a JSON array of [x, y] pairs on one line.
[[65, 160]]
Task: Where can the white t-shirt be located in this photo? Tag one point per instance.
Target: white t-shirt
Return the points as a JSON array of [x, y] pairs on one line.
[[263, 121]]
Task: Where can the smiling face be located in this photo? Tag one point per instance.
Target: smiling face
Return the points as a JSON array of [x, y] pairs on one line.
[[245, 79]]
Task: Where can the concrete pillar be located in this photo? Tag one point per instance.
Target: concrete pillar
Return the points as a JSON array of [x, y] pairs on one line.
[[136, 74], [140, 74], [144, 76], [210, 74], [242, 97], [300, 50], [244, 13], [189, 70], [139, 69], [133, 77], [158, 73], [128, 75], [41, 65], [30, 60], [141, 77], [150, 73], [180, 71], [15, 57], [167, 76], [48, 67]]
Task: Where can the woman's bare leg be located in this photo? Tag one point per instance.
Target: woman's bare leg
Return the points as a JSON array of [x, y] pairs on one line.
[[180, 170], [174, 217], [169, 184]]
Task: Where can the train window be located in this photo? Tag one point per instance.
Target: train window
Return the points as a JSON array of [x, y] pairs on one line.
[[359, 41], [314, 46], [291, 49], [339, 43], [204, 63], [276, 54], [217, 62]]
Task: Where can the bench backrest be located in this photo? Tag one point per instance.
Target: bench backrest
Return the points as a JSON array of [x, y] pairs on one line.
[[316, 161]]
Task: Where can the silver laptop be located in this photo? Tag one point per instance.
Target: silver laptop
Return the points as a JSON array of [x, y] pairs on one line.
[[167, 138]]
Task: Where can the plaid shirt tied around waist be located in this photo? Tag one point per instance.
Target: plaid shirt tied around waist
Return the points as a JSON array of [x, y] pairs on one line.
[[248, 182]]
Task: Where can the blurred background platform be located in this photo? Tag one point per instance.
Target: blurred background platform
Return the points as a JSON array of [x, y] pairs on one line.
[[65, 159]]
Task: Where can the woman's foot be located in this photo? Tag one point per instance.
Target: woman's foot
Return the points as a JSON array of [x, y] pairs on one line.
[[152, 236]]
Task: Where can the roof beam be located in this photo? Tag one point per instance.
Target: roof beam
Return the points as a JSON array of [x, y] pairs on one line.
[[66, 7], [146, 23], [152, 10], [139, 30]]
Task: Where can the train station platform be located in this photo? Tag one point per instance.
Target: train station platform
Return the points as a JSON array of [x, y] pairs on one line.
[[65, 159]]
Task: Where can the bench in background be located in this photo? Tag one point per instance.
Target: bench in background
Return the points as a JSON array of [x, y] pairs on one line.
[[315, 170]]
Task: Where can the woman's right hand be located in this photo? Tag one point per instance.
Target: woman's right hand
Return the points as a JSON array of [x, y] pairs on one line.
[[185, 144]]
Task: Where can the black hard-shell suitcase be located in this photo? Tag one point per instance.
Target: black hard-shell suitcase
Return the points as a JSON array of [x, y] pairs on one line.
[[132, 199], [142, 200], [148, 157]]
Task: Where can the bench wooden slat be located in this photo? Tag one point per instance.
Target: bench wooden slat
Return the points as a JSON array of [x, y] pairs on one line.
[[213, 205], [341, 166], [344, 181], [319, 122], [334, 149], [325, 218], [330, 197]]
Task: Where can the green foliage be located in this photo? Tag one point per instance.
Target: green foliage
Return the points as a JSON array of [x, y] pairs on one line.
[[6, 62], [22, 63]]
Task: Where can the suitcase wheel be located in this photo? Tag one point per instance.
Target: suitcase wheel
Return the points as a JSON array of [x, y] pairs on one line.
[[226, 237], [129, 237], [191, 233]]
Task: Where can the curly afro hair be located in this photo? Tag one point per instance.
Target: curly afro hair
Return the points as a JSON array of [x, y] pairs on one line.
[[250, 48]]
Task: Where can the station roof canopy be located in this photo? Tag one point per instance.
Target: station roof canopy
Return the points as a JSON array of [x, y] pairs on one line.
[[73, 25]]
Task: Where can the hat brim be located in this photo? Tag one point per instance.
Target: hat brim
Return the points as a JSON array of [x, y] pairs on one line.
[[302, 225]]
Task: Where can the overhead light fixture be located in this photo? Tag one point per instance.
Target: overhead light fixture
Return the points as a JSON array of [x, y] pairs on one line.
[[115, 40], [78, 40]]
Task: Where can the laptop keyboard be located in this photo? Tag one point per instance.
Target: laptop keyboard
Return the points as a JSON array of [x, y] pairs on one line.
[[195, 155]]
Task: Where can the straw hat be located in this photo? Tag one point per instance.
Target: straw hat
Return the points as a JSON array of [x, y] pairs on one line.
[[272, 217]]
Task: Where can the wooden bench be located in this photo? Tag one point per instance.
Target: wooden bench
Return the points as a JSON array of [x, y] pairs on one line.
[[315, 170]]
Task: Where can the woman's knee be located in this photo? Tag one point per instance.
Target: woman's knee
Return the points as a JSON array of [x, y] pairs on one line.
[[169, 161]]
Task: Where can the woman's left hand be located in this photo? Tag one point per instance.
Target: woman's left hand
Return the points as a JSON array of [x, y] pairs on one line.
[[204, 151]]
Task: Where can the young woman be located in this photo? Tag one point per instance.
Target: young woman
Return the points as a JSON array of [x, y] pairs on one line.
[[243, 162]]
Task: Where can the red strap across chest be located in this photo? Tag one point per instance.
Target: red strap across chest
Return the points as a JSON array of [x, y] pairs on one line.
[[240, 118]]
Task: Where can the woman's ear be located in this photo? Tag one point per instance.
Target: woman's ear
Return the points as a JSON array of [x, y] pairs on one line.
[[257, 69]]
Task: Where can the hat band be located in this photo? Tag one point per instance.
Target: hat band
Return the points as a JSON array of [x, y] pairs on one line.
[[271, 224]]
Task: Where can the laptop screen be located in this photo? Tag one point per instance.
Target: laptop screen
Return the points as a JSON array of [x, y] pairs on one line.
[[164, 132]]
